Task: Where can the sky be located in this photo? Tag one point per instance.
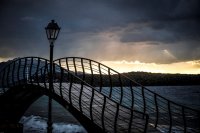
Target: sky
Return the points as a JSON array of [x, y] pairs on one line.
[[159, 36]]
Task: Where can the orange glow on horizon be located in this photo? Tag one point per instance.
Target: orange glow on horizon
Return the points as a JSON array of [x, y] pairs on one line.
[[189, 67], [4, 59]]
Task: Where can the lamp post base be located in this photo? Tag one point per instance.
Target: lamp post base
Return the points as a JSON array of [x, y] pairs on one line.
[[49, 127]]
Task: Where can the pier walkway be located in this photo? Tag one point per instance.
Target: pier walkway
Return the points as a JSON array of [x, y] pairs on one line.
[[102, 99]]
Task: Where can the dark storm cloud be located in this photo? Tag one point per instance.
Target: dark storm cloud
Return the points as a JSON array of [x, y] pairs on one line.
[[180, 18], [158, 22]]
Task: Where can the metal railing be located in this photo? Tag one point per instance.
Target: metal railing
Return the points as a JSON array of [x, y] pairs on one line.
[[163, 113], [108, 111]]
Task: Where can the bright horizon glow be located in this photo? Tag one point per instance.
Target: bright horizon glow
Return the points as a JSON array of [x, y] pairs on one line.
[[4, 59], [189, 67]]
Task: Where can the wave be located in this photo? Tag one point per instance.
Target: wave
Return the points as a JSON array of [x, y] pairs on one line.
[[37, 124]]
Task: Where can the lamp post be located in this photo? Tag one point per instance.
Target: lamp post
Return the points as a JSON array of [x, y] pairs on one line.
[[52, 31]]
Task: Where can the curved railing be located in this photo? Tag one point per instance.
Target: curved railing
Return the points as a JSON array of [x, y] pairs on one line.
[[106, 112], [19, 72], [163, 113]]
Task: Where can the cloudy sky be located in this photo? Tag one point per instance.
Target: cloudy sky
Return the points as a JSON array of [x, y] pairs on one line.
[[127, 35]]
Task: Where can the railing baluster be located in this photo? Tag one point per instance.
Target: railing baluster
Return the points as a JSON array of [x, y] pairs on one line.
[[132, 95], [131, 121], [102, 113], [41, 76], [18, 70], [3, 80], [92, 97], [70, 89], [81, 91], [74, 62], [91, 103], [30, 71], [144, 101], [121, 86], [146, 124], [116, 117], [80, 97], [67, 65], [7, 78], [83, 76], [37, 69], [100, 85], [13, 74], [92, 78], [110, 79], [61, 78], [24, 71], [157, 111], [170, 116], [184, 120], [45, 74]]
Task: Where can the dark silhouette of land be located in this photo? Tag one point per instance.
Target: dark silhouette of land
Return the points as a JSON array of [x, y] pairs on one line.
[[152, 79]]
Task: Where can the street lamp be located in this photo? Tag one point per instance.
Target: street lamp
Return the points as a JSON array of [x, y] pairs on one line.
[[52, 31]]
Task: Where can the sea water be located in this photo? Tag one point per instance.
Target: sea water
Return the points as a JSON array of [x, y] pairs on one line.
[[35, 118]]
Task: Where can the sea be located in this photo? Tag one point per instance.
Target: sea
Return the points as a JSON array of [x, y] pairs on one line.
[[35, 118]]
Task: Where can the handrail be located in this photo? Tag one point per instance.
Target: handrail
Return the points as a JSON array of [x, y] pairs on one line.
[[128, 78], [65, 85], [143, 99]]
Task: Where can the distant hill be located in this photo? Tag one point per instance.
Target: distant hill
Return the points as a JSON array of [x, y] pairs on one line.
[[146, 78]]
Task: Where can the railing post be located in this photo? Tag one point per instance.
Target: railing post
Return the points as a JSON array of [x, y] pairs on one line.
[[132, 95], [184, 120], [61, 78], [75, 66], [130, 122], [92, 78], [121, 88], [38, 64], [3, 80], [45, 69], [13, 72], [7, 78], [70, 89], [83, 77], [67, 65], [100, 77], [102, 114], [146, 124], [156, 104], [41, 73], [24, 71], [80, 97], [144, 101], [116, 117], [110, 79], [170, 116], [92, 97], [91, 102], [19, 65], [30, 71]]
